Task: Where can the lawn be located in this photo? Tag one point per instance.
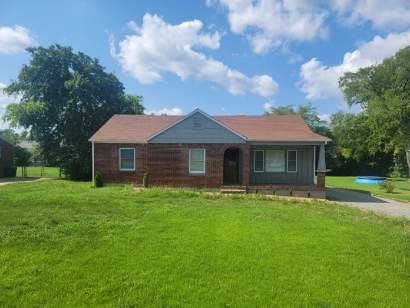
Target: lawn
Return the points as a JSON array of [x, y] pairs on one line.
[[402, 191], [67, 244], [39, 172]]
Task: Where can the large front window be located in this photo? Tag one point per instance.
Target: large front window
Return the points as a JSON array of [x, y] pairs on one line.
[[197, 161], [127, 159], [274, 161]]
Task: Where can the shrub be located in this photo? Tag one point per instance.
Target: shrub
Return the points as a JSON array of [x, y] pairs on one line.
[[388, 186], [98, 179], [145, 180]]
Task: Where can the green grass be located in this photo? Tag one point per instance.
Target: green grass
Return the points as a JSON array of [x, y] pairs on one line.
[[402, 191], [67, 244], [39, 172]]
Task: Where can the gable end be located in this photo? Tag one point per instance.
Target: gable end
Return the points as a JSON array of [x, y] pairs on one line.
[[197, 127]]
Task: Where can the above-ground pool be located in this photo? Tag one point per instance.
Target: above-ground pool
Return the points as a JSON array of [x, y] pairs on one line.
[[369, 179]]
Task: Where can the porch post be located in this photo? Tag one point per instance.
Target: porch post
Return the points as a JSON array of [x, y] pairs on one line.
[[321, 167], [245, 164]]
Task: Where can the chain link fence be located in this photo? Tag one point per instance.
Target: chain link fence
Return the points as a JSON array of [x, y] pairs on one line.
[[39, 172]]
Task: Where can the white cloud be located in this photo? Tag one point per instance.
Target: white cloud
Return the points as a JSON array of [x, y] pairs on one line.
[[171, 111], [14, 40], [320, 81], [267, 106], [271, 23], [325, 117], [391, 14], [157, 47]]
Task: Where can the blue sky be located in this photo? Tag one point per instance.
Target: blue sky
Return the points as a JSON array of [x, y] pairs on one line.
[[223, 56]]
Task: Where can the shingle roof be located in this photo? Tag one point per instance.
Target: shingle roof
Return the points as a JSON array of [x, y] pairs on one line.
[[138, 128]]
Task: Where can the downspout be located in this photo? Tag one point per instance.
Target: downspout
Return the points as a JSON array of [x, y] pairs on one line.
[[92, 159]]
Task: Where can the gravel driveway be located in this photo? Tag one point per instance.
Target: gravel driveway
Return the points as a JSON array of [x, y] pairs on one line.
[[369, 202]]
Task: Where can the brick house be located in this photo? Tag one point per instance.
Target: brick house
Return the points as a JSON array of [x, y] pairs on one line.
[[278, 153], [6, 158]]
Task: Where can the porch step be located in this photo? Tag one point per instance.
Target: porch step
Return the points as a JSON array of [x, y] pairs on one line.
[[233, 189]]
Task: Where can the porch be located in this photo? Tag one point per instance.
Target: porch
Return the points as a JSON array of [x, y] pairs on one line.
[[282, 169]]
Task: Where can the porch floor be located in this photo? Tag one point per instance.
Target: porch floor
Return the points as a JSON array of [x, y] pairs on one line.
[[306, 191]]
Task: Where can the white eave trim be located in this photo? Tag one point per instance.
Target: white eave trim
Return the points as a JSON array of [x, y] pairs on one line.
[[117, 141], [287, 141], [197, 110]]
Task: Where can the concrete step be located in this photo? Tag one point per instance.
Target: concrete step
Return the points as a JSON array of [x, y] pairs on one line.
[[233, 189]]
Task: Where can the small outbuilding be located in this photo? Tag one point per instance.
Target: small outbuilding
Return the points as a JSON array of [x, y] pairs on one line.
[[6, 159]]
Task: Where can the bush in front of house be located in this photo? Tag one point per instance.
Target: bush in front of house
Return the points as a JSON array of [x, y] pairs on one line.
[[388, 186], [145, 179], [98, 180]]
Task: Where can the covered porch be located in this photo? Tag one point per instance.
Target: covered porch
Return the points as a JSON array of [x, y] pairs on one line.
[[297, 169]]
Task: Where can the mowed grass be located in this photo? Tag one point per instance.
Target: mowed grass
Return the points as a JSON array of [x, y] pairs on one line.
[[68, 244], [39, 172], [401, 192]]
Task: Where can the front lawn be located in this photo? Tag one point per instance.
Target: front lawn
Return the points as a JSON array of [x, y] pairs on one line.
[[402, 191], [67, 244]]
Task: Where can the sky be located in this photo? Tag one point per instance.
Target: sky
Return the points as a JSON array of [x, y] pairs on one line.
[[222, 56]]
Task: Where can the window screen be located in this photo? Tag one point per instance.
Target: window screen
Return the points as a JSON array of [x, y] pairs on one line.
[[274, 160], [258, 161], [127, 159], [292, 161], [197, 161]]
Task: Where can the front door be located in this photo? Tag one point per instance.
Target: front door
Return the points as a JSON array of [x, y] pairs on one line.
[[231, 166]]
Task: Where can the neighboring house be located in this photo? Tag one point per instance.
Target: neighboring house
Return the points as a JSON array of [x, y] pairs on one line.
[[6, 158], [199, 150]]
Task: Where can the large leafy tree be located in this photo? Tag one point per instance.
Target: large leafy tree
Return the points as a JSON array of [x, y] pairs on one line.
[[383, 92], [307, 112], [10, 135], [351, 147], [65, 98]]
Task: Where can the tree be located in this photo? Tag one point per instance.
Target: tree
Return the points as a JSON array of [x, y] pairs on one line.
[[351, 147], [65, 98], [10, 136], [307, 112], [383, 92]]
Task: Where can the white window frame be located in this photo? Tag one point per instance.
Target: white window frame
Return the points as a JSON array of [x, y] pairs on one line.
[[189, 162], [119, 159], [254, 161], [287, 161]]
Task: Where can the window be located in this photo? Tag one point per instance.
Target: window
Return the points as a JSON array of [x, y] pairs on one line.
[[197, 161], [258, 161], [127, 159], [275, 161], [292, 161]]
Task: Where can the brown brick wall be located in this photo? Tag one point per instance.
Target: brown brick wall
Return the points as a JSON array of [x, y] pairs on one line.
[[107, 162], [6, 158], [168, 164]]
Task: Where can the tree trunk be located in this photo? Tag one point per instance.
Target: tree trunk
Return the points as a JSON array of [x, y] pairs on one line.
[[408, 157]]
